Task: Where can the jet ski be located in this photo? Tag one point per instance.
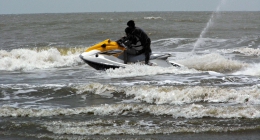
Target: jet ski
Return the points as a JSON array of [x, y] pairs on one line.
[[112, 54]]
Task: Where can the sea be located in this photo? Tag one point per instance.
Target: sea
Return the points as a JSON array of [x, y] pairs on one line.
[[47, 92]]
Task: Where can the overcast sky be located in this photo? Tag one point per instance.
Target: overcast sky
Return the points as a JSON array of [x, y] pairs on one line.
[[75, 6]]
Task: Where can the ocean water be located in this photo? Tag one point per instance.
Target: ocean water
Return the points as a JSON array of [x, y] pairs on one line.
[[48, 92]]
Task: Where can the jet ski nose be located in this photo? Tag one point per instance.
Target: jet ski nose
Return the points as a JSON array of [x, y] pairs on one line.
[[81, 57]]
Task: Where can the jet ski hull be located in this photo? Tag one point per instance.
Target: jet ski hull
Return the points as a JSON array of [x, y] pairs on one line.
[[99, 66], [102, 62]]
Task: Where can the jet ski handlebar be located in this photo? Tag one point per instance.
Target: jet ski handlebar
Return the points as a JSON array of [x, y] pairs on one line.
[[124, 42]]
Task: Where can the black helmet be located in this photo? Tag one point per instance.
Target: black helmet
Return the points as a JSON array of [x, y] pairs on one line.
[[131, 23]]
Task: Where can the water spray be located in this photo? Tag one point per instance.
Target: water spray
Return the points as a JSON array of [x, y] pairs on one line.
[[209, 24]]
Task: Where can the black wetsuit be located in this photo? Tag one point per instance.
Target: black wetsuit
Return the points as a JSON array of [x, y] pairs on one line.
[[136, 35]]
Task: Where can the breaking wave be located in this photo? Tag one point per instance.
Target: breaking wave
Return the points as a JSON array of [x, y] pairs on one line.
[[247, 51], [142, 70], [253, 70], [28, 59], [176, 101], [177, 95], [212, 62], [188, 111], [138, 127]]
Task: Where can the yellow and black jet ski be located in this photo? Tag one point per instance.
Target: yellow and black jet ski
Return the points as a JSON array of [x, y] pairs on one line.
[[112, 54]]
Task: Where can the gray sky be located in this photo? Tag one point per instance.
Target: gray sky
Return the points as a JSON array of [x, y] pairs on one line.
[[72, 6]]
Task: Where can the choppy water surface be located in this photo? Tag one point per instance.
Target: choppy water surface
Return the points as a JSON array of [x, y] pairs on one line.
[[47, 92]]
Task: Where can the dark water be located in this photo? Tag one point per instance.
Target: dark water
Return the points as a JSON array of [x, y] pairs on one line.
[[47, 92]]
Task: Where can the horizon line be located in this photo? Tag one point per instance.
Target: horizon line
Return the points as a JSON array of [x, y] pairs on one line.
[[117, 12]]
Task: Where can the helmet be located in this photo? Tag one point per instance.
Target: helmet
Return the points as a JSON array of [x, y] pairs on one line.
[[131, 23]]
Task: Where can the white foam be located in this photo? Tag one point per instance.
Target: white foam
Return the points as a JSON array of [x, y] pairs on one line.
[[243, 50], [26, 59], [24, 91], [142, 70], [127, 127], [173, 95], [95, 88], [187, 111], [215, 73], [212, 62], [179, 95], [253, 70], [152, 17], [248, 51]]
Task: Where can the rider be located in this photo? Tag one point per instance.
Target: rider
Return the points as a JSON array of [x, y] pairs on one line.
[[137, 38]]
